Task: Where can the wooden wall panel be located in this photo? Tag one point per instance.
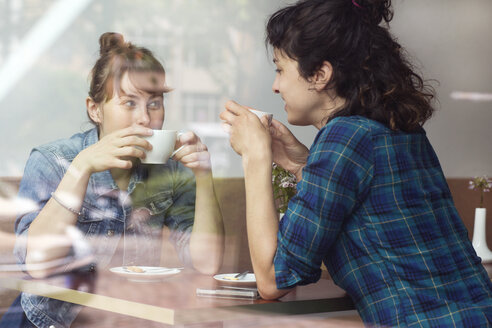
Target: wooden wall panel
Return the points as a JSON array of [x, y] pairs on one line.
[[466, 201]]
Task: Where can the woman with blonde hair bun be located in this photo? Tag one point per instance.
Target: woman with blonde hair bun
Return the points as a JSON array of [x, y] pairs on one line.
[[96, 182]]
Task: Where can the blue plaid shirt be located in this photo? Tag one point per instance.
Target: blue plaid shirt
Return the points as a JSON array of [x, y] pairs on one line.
[[374, 206]]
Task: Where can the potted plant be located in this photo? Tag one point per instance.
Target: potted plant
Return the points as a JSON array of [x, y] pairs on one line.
[[284, 187], [479, 240]]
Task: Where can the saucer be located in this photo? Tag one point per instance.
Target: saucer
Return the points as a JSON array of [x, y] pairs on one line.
[[149, 274], [228, 278]]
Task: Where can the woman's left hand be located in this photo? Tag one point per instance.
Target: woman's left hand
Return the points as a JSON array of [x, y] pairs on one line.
[[194, 153], [248, 135]]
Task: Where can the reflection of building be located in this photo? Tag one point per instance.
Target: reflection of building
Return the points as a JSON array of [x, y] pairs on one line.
[[200, 96], [200, 107], [195, 104], [201, 103]]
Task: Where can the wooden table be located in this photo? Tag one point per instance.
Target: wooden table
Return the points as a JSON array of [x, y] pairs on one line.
[[174, 302]]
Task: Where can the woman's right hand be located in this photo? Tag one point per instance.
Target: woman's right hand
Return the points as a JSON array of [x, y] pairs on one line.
[[288, 152], [115, 150]]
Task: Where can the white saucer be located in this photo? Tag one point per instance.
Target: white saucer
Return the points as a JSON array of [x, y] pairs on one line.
[[150, 274], [248, 279]]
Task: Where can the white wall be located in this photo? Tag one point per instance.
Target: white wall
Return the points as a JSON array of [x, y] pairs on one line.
[[452, 39]]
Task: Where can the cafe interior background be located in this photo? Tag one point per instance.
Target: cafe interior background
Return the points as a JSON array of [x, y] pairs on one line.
[[213, 50]]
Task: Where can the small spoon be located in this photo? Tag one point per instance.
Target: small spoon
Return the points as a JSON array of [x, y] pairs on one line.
[[241, 275]]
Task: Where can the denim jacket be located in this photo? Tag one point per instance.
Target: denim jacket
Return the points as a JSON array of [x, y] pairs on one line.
[[166, 192]]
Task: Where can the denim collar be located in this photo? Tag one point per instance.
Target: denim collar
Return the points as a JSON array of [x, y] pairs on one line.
[[102, 183]]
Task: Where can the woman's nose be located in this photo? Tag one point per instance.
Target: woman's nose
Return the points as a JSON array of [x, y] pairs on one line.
[[275, 86], [143, 117]]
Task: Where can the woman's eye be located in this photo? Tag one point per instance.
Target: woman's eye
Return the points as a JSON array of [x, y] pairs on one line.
[[155, 104], [278, 70], [130, 103]]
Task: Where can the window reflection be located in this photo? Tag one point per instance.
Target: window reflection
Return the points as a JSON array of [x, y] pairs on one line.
[[213, 52]]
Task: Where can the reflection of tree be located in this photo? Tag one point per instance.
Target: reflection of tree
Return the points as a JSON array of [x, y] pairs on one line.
[[222, 37], [214, 34], [222, 34], [16, 18], [4, 28]]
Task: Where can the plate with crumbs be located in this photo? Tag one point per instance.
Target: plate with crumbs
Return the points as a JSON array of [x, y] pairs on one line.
[[230, 279], [139, 273]]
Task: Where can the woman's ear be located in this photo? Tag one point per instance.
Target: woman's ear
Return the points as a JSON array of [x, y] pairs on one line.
[[93, 109], [323, 76]]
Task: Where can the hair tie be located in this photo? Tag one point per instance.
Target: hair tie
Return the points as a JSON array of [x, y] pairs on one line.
[[356, 4]]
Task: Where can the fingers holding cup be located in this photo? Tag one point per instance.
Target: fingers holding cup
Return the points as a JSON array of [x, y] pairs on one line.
[[265, 117], [192, 153]]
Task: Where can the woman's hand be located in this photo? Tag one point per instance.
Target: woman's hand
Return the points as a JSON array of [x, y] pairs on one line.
[[115, 150], [207, 237], [194, 154], [288, 152], [248, 135]]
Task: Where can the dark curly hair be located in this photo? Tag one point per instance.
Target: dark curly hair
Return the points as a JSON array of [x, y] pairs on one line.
[[370, 69]]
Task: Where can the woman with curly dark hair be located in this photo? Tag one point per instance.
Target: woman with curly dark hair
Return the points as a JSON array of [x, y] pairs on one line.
[[372, 202]]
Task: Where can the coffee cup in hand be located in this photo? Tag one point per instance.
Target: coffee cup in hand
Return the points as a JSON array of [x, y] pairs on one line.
[[260, 114], [227, 128], [163, 143]]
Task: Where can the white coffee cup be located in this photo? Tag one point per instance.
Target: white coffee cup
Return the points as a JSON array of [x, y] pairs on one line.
[[260, 114], [163, 143], [227, 128]]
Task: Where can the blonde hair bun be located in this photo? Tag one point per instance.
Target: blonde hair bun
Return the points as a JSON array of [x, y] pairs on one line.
[[109, 41]]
